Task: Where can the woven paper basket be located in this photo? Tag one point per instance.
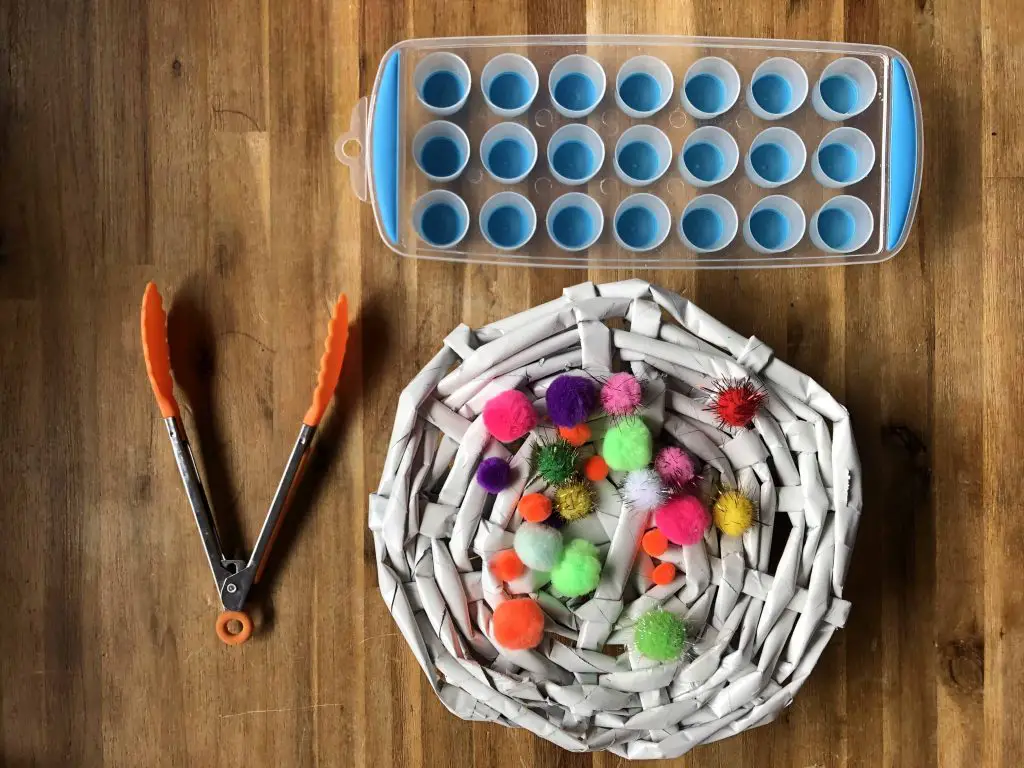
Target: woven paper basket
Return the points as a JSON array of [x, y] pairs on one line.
[[759, 612]]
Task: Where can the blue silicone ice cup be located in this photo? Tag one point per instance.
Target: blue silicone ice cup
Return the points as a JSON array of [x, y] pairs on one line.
[[642, 155], [576, 84], [842, 225], [710, 88], [509, 83], [441, 150], [777, 88], [775, 225], [709, 156], [508, 220], [708, 224], [442, 81], [641, 222], [846, 88], [440, 218], [643, 86], [574, 221], [776, 156], [845, 156], [508, 152], [575, 154]]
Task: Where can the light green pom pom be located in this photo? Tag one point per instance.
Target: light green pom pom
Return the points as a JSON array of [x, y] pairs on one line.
[[659, 635], [579, 570], [627, 446]]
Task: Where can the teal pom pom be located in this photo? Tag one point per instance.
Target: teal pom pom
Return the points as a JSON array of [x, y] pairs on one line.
[[660, 635], [579, 570], [627, 446], [538, 546], [555, 462]]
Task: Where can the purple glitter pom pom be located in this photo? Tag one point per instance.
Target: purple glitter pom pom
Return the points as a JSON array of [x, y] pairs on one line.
[[493, 474], [570, 400]]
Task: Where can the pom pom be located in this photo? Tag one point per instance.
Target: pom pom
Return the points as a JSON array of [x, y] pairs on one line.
[[518, 624], [643, 490], [683, 520], [621, 395], [579, 570], [735, 403], [493, 474], [675, 466], [663, 574], [627, 446], [654, 543], [570, 400], [538, 546], [535, 507], [734, 513], [555, 462], [575, 500], [575, 436], [509, 416], [659, 635], [595, 469], [506, 565]]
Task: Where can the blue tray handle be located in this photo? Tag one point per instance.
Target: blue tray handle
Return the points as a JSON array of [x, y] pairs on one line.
[[384, 146], [904, 149]]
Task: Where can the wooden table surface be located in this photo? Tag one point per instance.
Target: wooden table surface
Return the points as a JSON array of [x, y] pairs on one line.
[[190, 143]]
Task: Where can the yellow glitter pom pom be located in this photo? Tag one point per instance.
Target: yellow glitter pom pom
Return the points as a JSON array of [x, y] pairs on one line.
[[574, 500], [734, 513]]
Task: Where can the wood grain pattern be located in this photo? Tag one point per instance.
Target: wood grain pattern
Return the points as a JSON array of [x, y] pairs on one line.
[[190, 143]]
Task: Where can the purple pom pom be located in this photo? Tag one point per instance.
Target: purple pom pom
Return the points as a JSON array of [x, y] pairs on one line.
[[570, 400], [493, 474]]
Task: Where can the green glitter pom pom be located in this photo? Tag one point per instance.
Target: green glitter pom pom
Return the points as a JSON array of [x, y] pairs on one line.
[[660, 635], [627, 446], [579, 570], [555, 462]]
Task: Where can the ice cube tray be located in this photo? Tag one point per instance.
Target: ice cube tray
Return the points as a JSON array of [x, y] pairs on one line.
[[779, 152]]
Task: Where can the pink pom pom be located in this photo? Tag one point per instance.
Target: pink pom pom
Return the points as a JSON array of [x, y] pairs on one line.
[[683, 520], [509, 416], [675, 466], [621, 395]]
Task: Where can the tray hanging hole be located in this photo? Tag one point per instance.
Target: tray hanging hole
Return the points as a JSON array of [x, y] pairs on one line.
[[352, 148]]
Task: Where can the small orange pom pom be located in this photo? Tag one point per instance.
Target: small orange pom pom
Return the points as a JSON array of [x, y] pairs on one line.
[[596, 469], [535, 507], [654, 543], [506, 565], [663, 574], [518, 624], [575, 436]]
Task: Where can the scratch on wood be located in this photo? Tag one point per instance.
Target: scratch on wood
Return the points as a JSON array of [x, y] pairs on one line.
[[283, 709]]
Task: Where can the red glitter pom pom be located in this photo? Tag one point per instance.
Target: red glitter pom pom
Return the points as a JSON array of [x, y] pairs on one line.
[[735, 403]]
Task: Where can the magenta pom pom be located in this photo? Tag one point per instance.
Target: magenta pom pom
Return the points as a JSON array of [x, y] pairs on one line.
[[509, 416], [683, 520], [493, 474], [675, 466], [570, 400], [621, 395]]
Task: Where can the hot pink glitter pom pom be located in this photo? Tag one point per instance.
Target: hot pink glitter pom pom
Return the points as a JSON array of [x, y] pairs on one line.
[[683, 520], [621, 395], [675, 466]]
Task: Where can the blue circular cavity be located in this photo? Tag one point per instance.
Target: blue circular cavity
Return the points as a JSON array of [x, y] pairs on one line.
[[442, 89], [637, 227], [639, 160], [441, 224], [836, 228], [773, 93], [838, 161], [704, 160], [706, 92], [573, 159], [576, 91], [440, 156], [572, 227], [769, 228], [508, 159], [770, 162], [703, 227], [839, 92], [509, 90], [506, 226], [641, 91]]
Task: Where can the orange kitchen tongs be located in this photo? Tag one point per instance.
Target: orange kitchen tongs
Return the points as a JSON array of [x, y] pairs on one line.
[[234, 578]]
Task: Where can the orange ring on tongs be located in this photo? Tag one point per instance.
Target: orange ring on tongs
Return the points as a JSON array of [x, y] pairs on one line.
[[234, 638]]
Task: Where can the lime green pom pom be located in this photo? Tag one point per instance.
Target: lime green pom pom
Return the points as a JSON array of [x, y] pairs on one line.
[[555, 462], [579, 570], [659, 635], [627, 446]]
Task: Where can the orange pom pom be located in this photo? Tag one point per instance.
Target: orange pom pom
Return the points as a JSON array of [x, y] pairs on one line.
[[575, 436], [663, 574], [506, 565], [654, 543], [535, 507], [518, 624], [596, 469]]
